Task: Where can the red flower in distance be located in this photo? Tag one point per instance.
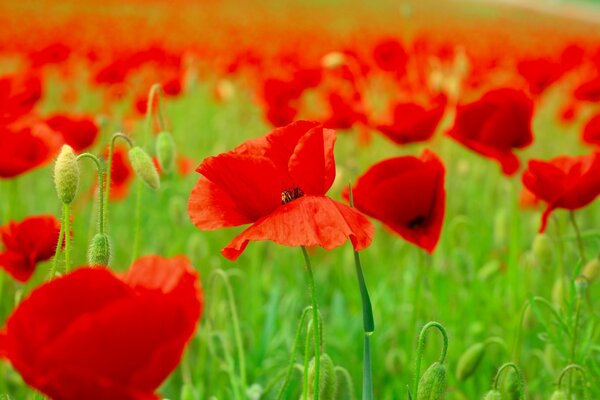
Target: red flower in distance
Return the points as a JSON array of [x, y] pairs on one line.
[[407, 194], [591, 130], [277, 183], [389, 55], [78, 132], [121, 174], [93, 335], [495, 125], [540, 73], [18, 95], [564, 182], [52, 54], [26, 243], [411, 122], [23, 149], [589, 90]]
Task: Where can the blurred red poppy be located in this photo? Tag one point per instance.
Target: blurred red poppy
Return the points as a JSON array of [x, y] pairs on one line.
[[26, 243], [564, 182], [79, 132], [93, 335], [495, 125], [277, 183], [588, 90], [18, 96], [540, 73], [591, 130], [389, 55], [412, 122], [121, 174], [407, 194], [23, 148], [343, 112], [52, 54]]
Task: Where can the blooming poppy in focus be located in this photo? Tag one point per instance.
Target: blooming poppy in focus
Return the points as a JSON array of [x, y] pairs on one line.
[[18, 95], [78, 132], [93, 335], [277, 183], [412, 122], [389, 55], [407, 194], [121, 174], [495, 125], [591, 130], [564, 182], [26, 243], [22, 149]]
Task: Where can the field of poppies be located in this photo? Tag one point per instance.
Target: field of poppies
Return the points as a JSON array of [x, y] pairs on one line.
[[299, 200]]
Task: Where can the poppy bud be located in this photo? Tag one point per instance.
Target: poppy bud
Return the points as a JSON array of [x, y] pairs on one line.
[[333, 60], [493, 395], [99, 251], [541, 249], [165, 151], [591, 270], [327, 379], [558, 395], [66, 174], [432, 384], [469, 361], [558, 292], [144, 167], [511, 386]]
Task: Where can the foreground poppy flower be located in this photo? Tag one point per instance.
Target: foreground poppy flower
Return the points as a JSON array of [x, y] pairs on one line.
[[495, 125], [78, 132], [26, 243], [277, 183], [564, 182], [411, 122], [93, 335], [407, 194]]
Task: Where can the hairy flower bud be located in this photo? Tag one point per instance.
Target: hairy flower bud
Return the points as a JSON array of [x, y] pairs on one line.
[[165, 151], [144, 167], [469, 361], [432, 384], [327, 379], [99, 251], [66, 174], [591, 270]]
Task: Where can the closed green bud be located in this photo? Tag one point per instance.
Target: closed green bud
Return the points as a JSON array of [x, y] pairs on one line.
[[591, 270], [541, 250], [469, 361], [144, 167], [99, 252], [327, 379], [432, 384], [66, 174], [511, 387], [165, 151], [492, 395], [558, 292], [559, 394]]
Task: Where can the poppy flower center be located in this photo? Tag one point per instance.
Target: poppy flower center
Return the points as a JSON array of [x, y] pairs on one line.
[[291, 194]]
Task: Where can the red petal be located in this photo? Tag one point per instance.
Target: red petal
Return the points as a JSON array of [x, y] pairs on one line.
[[307, 221]]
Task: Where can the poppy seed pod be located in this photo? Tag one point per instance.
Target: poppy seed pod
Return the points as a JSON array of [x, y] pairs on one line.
[[469, 361], [143, 167], [99, 251], [591, 270], [66, 174], [432, 384], [165, 151], [493, 395], [327, 379]]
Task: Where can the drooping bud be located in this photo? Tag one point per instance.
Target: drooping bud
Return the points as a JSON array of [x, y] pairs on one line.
[[511, 386], [541, 250], [591, 270], [558, 394], [66, 174], [327, 379], [99, 251], [493, 395], [144, 167], [469, 361], [432, 384], [165, 151]]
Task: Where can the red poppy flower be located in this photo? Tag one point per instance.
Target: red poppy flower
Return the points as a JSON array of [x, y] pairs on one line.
[[343, 113], [407, 194], [26, 243], [591, 130], [389, 55], [18, 96], [411, 122], [52, 54], [495, 125], [589, 90], [277, 183], [78, 132], [22, 149], [93, 335], [540, 73], [121, 174], [564, 182]]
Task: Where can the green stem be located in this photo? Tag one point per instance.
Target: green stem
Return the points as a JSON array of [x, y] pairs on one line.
[[111, 149], [155, 91], [306, 361], [517, 371], [67, 224], [421, 347], [561, 251], [578, 235], [57, 251], [575, 324], [138, 221], [568, 368], [290, 368], [100, 188], [315, 312], [368, 327]]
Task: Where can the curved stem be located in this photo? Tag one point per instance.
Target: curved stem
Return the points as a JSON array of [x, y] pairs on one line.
[[290, 368], [578, 235], [138, 220], [315, 312], [155, 92], [57, 252], [517, 371], [100, 188], [568, 368], [111, 149], [421, 347], [67, 224]]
